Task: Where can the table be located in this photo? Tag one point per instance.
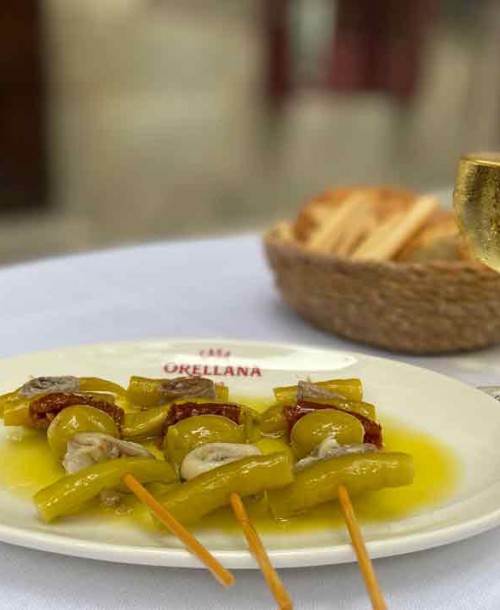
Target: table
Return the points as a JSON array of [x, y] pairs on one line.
[[215, 289]]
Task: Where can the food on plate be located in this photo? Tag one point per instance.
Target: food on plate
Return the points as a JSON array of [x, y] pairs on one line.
[[144, 424], [39, 400], [211, 489], [72, 492], [315, 436], [335, 388], [309, 431], [75, 420], [147, 393], [360, 471], [189, 433]]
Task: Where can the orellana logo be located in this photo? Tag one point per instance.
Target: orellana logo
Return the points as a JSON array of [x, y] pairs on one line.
[[214, 370]]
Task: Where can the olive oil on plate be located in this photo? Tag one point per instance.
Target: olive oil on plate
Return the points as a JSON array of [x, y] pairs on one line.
[[28, 465]]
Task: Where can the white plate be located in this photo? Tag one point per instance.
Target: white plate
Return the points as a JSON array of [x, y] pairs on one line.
[[425, 400]]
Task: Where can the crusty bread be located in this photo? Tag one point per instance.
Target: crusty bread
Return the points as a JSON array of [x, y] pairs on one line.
[[385, 201], [440, 240]]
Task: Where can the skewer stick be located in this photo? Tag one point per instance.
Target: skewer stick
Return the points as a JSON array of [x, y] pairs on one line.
[[365, 563], [259, 552], [192, 544]]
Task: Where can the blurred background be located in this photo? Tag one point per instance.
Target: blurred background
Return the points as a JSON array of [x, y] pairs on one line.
[[133, 120]]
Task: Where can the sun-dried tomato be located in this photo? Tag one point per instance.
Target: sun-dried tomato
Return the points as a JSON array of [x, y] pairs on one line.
[[44, 409]]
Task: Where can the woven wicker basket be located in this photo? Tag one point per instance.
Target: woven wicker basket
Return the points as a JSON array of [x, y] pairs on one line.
[[419, 308]]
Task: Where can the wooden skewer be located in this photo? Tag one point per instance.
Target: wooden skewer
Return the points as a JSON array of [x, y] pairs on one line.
[[259, 552], [365, 563], [192, 544]]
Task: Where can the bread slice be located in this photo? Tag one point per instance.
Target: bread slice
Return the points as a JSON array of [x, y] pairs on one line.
[[440, 240], [385, 201]]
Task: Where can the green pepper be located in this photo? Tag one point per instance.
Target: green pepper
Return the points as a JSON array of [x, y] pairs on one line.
[[352, 406], [17, 413], [9, 400], [273, 420], [192, 432], [72, 492], [144, 424], [75, 419], [191, 501], [268, 445], [352, 389], [222, 392], [96, 384], [319, 483], [311, 429], [250, 420], [144, 392]]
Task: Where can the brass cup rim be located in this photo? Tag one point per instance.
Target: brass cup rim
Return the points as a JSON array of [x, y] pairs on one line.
[[488, 159]]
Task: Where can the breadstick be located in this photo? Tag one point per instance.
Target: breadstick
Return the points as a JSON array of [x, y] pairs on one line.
[[413, 220], [354, 234], [379, 235], [327, 235], [320, 235], [396, 231]]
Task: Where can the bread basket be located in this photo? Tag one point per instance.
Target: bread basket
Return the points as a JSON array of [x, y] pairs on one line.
[[417, 308]]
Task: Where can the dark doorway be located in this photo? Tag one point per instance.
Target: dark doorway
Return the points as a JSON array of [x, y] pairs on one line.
[[23, 174]]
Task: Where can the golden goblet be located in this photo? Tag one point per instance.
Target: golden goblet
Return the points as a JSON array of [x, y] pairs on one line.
[[476, 201]]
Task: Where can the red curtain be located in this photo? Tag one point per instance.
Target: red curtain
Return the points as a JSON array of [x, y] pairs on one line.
[[377, 45]]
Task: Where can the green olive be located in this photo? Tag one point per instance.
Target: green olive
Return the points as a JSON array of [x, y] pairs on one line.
[[311, 429], [189, 433], [75, 419]]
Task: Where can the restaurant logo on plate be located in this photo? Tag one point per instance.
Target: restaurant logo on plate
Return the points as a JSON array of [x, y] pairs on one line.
[[220, 365]]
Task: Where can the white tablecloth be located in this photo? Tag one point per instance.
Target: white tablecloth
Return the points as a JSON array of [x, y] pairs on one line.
[[216, 289]]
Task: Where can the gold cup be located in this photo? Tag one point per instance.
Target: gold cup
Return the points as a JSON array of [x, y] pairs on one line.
[[476, 201]]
